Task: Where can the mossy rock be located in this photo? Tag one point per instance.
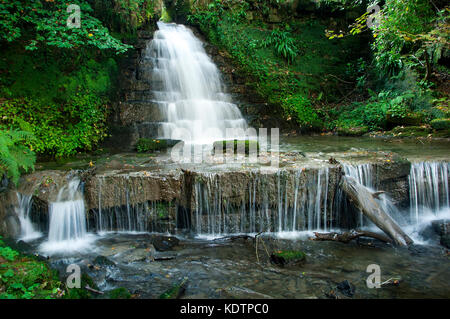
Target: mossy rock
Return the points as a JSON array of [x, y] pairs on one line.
[[82, 293], [247, 145], [287, 257], [410, 119], [411, 131], [119, 293], [441, 124], [144, 145], [352, 131], [442, 133], [176, 291]]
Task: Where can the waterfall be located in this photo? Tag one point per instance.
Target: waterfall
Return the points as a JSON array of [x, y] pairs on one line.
[[191, 97], [428, 189], [301, 204], [67, 220], [23, 210]]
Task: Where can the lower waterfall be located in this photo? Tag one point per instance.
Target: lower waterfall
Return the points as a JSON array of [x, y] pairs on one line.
[[23, 210], [67, 221]]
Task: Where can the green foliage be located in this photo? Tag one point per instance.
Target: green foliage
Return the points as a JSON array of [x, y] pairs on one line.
[[8, 253], [299, 88], [65, 111], [119, 293], [402, 101], [441, 124], [124, 16], [14, 155], [411, 34], [23, 277], [150, 145], [302, 108], [43, 24], [283, 43]]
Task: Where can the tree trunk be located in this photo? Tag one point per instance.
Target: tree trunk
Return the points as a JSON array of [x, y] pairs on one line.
[[365, 201]]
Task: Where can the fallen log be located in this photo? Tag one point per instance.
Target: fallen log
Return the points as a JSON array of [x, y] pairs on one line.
[[349, 236], [365, 201]]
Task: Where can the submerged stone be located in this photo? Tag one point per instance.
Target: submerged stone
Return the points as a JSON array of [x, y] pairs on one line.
[[165, 243], [103, 261], [347, 288]]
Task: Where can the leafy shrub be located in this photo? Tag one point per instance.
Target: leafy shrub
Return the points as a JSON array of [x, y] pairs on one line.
[[441, 124], [283, 43], [14, 155], [44, 23], [25, 277], [66, 111]]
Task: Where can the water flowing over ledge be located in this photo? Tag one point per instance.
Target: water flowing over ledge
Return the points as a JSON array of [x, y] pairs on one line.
[[287, 202]]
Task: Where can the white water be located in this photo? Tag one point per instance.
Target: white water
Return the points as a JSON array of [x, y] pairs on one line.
[[23, 210], [428, 183], [215, 216], [193, 101], [67, 226], [429, 196]]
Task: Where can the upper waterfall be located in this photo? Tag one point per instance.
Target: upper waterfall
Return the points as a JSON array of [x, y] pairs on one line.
[[192, 99]]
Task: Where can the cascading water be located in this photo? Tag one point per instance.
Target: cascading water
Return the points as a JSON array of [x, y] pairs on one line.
[[67, 221], [23, 210], [192, 99], [307, 210], [428, 189]]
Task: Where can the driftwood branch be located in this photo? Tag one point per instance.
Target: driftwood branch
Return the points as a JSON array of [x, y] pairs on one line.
[[365, 200], [93, 290], [349, 236]]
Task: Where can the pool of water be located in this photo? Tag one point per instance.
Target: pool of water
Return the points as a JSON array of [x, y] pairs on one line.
[[225, 268], [413, 149]]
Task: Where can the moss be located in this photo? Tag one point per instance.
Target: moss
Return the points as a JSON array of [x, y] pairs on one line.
[[176, 291], [352, 131], [410, 131], [247, 145], [441, 124], [150, 145], [290, 255], [287, 257], [81, 293], [119, 293]]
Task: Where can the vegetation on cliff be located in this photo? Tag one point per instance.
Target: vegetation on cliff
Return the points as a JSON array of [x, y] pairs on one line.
[[328, 76]]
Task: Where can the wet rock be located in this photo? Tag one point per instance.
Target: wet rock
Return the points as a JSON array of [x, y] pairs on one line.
[[346, 288], [138, 255], [103, 261], [176, 291], [441, 227], [445, 240], [165, 243]]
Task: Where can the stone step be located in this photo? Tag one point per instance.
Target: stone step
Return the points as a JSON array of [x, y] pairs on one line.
[[141, 111], [149, 129]]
